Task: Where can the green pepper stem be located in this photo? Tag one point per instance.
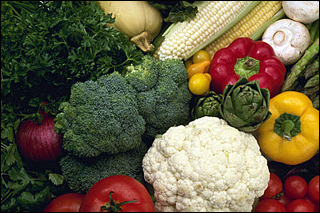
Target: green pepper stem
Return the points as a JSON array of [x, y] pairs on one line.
[[247, 66], [287, 126]]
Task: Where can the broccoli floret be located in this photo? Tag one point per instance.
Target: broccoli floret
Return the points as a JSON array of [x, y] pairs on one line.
[[81, 173], [144, 75], [101, 117], [166, 103], [174, 69]]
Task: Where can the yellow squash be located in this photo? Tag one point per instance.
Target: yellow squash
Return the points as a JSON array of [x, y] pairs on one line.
[[291, 134], [140, 21]]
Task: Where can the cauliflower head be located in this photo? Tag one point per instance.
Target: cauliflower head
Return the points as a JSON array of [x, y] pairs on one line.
[[206, 165]]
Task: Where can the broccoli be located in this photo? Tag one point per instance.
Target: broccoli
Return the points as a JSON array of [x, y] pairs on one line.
[[144, 75], [82, 173], [106, 122], [162, 93], [101, 117]]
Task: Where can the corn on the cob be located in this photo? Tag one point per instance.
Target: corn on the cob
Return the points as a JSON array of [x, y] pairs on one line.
[[213, 18], [260, 14]]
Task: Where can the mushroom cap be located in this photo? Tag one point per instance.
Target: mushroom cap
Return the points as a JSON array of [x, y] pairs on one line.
[[302, 11], [289, 40]]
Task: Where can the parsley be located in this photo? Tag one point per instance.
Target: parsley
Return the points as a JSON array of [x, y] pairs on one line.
[[24, 188], [47, 46]]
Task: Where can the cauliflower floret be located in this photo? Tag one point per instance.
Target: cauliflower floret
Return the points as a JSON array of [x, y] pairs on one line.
[[206, 165]]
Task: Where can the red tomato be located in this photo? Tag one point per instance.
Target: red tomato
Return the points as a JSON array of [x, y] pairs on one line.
[[299, 205], [283, 199], [314, 204], [69, 202], [270, 205], [124, 189], [295, 187], [274, 187], [313, 188]]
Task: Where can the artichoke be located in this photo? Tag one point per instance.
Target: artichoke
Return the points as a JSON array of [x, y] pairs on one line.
[[208, 105], [245, 105]]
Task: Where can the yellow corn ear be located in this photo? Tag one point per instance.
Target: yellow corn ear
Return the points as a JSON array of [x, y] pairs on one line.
[[183, 39], [260, 14]]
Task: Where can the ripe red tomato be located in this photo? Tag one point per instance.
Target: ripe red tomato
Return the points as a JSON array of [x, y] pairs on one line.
[[314, 204], [283, 199], [270, 205], [313, 188], [69, 202], [299, 205], [295, 187], [120, 188], [275, 186]]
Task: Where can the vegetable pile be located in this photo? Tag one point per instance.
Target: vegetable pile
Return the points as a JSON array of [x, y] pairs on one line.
[[159, 106], [292, 194], [205, 166]]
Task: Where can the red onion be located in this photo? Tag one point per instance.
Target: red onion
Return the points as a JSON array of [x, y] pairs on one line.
[[39, 142]]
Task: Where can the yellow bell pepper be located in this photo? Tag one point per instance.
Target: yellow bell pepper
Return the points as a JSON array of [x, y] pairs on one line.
[[291, 134]]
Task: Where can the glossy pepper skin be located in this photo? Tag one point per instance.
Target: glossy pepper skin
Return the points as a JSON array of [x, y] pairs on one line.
[[291, 134], [245, 57]]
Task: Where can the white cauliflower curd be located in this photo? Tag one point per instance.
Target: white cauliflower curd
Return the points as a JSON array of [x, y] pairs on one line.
[[206, 165]]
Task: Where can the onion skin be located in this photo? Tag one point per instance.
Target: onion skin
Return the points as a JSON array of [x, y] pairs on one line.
[[39, 142]]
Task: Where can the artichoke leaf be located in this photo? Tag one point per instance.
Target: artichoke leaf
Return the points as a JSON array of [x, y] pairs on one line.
[[245, 105], [208, 105]]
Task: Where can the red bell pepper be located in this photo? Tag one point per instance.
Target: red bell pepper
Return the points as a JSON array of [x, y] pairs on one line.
[[245, 57]]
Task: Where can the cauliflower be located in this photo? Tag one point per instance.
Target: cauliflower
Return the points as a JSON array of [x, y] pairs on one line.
[[206, 165]]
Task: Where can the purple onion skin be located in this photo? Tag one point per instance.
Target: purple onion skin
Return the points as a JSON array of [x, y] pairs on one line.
[[39, 142]]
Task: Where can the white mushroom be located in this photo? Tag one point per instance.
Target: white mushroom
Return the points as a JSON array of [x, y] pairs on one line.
[[289, 40], [302, 11]]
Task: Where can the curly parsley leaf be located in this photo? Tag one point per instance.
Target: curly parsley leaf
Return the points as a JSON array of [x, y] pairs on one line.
[[45, 51]]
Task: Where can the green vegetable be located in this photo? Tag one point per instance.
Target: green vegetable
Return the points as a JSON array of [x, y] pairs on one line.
[[308, 81], [297, 70], [105, 120], [315, 101], [309, 84], [82, 173], [314, 31], [143, 76], [208, 105], [162, 93], [25, 186], [47, 46], [245, 105], [312, 68], [313, 81], [175, 11], [101, 117]]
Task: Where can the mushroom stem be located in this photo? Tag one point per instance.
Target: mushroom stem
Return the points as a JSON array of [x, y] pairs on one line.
[[279, 37]]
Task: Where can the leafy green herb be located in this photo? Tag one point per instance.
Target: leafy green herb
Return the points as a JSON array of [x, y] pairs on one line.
[[46, 46], [23, 189], [175, 11]]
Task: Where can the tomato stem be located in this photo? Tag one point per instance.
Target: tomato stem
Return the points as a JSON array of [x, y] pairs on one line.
[[114, 206]]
